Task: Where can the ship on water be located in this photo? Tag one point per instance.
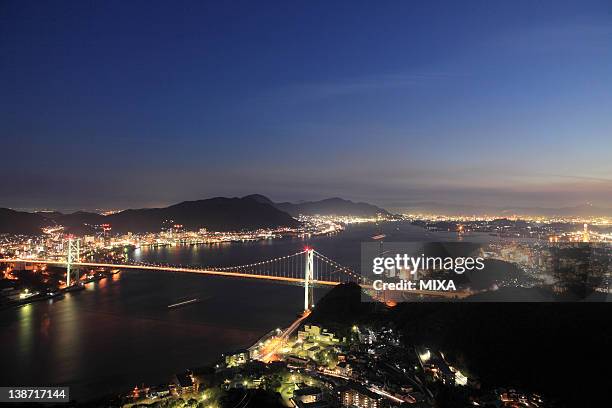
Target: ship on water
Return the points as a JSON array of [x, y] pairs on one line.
[[182, 303]]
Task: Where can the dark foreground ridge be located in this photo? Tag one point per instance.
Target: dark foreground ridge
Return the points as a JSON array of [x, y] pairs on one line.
[[559, 349]]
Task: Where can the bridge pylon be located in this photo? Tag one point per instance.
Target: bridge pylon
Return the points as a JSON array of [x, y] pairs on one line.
[[308, 277], [73, 256]]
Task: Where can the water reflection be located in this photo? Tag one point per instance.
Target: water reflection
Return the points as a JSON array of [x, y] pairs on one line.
[[26, 337], [119, 332]]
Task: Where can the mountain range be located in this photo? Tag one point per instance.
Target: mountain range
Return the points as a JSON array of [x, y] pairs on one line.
[[217, 214], [328, 206]]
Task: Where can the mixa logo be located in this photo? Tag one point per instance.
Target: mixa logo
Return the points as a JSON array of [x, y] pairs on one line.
[[434, 284], [424, 284]]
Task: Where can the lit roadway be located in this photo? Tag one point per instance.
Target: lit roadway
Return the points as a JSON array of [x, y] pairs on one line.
[[275, 344], [439, 293], [173, 269]]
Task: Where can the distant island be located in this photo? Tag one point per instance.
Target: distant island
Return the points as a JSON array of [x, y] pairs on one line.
[[217, 214]]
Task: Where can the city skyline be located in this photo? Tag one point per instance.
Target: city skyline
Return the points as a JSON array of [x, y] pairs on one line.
[[143, 105]]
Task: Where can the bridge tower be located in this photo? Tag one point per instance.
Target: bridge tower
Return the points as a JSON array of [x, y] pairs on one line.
[[73, 256], [308, 277]]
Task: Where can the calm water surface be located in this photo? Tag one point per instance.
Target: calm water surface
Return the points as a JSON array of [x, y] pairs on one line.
[[119, 332]]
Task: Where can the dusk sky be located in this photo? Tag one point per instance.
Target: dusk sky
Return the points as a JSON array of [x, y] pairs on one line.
[[133, 104]]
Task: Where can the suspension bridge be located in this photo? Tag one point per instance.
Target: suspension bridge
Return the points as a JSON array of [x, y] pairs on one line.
[[308, 267]]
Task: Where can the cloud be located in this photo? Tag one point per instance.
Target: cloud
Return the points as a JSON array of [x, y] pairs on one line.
[[587, 178], [314, 91]]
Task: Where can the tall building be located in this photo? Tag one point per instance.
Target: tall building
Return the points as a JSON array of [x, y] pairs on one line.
[[360, 397]]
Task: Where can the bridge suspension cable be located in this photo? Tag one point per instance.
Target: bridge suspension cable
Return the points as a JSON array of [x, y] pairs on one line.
[[291, 266], [339, 268]]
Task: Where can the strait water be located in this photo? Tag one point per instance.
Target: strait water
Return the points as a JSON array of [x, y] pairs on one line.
[[119, 333]]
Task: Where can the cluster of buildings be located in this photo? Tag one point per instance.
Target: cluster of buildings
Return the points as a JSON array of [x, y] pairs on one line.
[[51, 243], [563, 254], [559, 253], [560, 265], [26, 246], [569, 229], [317, 368], [514, 398]]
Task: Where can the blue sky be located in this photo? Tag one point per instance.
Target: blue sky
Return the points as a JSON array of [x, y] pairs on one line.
[[130, 104]]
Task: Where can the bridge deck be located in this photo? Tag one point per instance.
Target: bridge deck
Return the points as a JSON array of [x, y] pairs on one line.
[[175, 269], [225, 273]]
